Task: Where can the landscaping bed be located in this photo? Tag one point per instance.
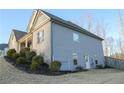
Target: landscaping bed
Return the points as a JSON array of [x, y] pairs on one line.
[[9, 74], [29, 62]]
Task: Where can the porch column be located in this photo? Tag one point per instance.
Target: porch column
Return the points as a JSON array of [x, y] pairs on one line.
[[19, 47], [26, 43]]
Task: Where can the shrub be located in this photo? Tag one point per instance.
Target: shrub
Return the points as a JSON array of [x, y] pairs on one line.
[[37, 61], [24, 51], [16, 55], [10, 52], [55, 66], [34, 66], [30, 55], [20, 60]]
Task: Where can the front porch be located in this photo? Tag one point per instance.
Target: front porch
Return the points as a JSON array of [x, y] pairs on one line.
[[26, 42]]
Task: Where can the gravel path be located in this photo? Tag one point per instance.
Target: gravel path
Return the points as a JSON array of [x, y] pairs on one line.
[[11, 75]]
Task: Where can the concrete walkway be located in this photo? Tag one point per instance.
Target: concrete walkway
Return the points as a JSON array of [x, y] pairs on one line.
[[11, 75]]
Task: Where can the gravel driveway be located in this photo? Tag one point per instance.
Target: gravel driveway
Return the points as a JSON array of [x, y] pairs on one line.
[[11, 75]]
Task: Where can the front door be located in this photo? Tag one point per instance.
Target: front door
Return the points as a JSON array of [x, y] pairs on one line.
[[87, 62]]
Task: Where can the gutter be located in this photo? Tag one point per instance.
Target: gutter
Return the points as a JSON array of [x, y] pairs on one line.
[[81, 30]]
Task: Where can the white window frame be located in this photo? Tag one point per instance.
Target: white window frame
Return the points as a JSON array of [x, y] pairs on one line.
[[86, 57], [40, 36], [96, 58], [76, 37], [75, 57]]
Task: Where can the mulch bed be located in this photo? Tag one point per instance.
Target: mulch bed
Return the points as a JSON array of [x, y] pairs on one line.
[[26, 69]]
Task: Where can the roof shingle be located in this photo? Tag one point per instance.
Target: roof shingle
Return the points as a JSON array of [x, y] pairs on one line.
[[19, 34], [80, 29]]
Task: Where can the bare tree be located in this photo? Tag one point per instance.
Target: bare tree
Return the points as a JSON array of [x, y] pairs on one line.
[[101, 30], [110, 44], [121, 21], [119, 47], [89, 22], [121, 40]]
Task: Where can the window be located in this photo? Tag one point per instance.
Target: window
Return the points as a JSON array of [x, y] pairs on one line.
[[75, 61], [75, 37], [86, 57], [75, 57], [96, 61], [40, 36]]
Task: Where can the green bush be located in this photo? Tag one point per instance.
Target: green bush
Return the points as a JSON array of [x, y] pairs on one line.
[[16, 55], [24, 51], [10, 52], [30, 55], [37, 61], [34, 66], [20, 60], [55, 66]]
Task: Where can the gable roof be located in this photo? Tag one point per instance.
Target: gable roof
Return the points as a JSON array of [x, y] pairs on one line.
[[18, 34], [33, 16], [72, 25], [63, 22], [3, 46]]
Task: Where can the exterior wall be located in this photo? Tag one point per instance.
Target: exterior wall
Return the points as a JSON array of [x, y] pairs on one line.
[[63, 47], [43, 48], [13, 43]]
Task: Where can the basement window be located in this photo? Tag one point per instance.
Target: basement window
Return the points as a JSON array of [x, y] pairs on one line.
[[75, 61], [96, 61]]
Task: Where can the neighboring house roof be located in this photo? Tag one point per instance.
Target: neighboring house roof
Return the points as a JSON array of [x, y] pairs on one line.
[[74, 26], [3, 46], [18, 34]]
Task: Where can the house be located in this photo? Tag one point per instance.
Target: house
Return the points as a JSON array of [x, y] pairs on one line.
[[58, 39], [3, 49], [14, 37]]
